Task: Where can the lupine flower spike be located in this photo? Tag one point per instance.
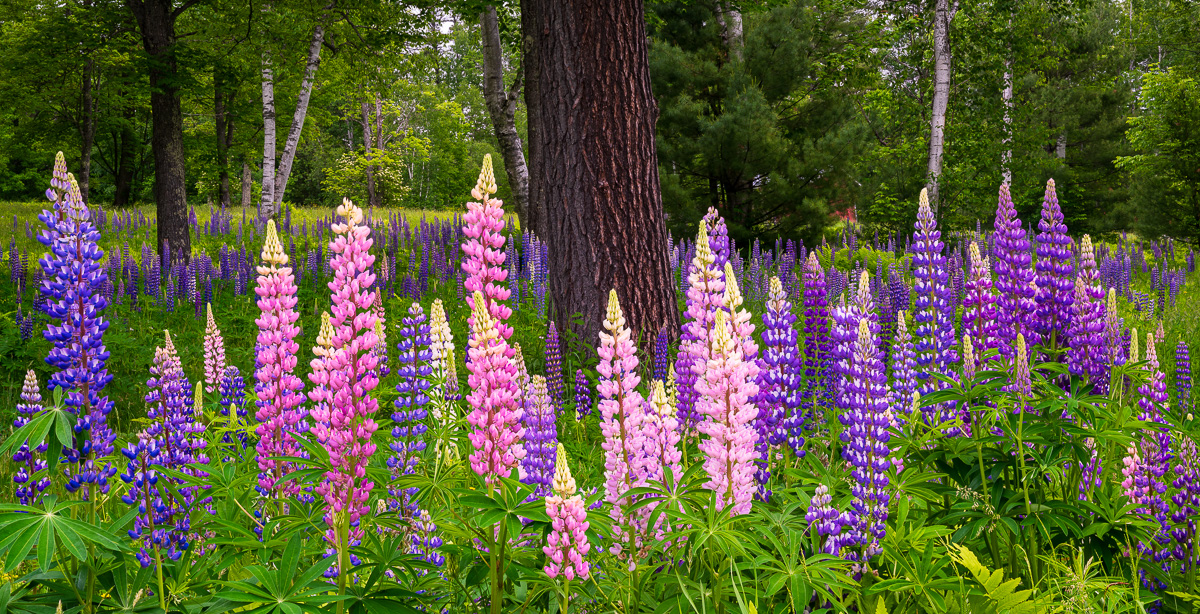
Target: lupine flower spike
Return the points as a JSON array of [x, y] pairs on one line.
[[495, 409], [214, 354], [567, 544], [29, 462]]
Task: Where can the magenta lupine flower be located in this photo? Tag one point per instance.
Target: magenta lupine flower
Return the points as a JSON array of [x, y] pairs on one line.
[[1014, 278], [484, 255], [865, 440], [494, 398], [1055, 273], [554, 368], [979, 306], [214, 354], [567, 543], [706, 284], [816, 339], [622, 423], [280, 392], [72, 290], [778, 399], [904, 375], [29, 463], [541, 438], [725, 400], [350, 375], [934, 335]]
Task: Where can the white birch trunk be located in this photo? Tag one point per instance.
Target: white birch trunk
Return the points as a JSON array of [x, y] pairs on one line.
[[266, 206], [1006, 96], [293, 138], [941, 96]]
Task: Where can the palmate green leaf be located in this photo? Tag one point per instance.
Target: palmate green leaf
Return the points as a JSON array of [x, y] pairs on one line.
[[24, 527], [998, 596], [282, 590]]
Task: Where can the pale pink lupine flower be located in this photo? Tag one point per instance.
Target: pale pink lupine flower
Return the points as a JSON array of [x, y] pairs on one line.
[[567, 543], [214, 354], [484, 255]]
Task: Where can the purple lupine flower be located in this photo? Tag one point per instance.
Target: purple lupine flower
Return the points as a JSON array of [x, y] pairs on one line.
[[706, 285], [1183, 378], [1091, 477], [778, 399], [1055, 273], [1187, 503], [816, 337], [425, 540], [540, 439], [934, 335], [718, 238], [71, 291], [583, 395], [826, 521], [554, 368], [413, 369], [662, 355], [232, 390], [865, 440], [904, 375], [1086, 354], [1014, 277], [979, 305], [29, 462]]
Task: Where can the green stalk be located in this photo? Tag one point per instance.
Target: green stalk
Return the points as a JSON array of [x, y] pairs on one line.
[[162, 593], [343, 537], [497, 570], [565, 602]]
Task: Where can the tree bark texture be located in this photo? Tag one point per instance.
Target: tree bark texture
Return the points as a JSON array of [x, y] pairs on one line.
[[266, 207], [1006, 97], [247, 183], [372, 193], [730, 20], [943, 15], [502, 108], [598, 169], [293, 139], [156, 22], [222, 100]]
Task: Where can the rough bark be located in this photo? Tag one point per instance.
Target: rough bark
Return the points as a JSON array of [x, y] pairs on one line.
[[730, 20], [156, 23], [247, 183], [1060, 147], [598, 165], [87, 129], [943, 15], [293, 139], [224, 129], [502, 108], [266, 206], [372, 194]]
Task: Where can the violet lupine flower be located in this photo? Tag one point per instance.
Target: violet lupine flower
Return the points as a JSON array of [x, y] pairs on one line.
[[718, 237], [425, 540], [29, 490], [495, 407], [484, 255], [826, 521], [280, 392], [1187, 503], [567, 543], [622, 416], [865, 440], [541, 438], [72, 294], [979, 305], [214, 353], [904, 375], [1091, 471], [1086, 354], [845, 327], [816, 337], [706, 284], [583, 395], [349, 375], [662, 356], [934, 336], [1055, 273], [554, 374], [1183, 378], [413, 369], [778, 400], [233, 402], [726, 391], [1014, 277], [171, 441]]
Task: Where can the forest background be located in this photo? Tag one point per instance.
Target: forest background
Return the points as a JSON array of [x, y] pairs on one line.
[[789, 116]]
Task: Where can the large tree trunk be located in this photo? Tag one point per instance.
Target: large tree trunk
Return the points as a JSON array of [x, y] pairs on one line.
[[156, 21], [1006, 97], [224, 129], [372, 195], [502, 107], [730, 20], [266, 207], [87, 129], [247, 183], [293, 138], [599, 167], [943, 15]]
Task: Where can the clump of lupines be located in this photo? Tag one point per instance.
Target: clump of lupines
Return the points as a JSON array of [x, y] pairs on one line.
[[29, 463], [72, 290], [541, 437], [865, 440], [280, 392], [484, 254], [778, 398], [706, 284], [214, 353], [934, 335], [350, 375], [567, 543], [583, 395], [1055, 274], [413, 369], [622, 419], [495, 409], [726, 391], [554, 374], [1014, 277]]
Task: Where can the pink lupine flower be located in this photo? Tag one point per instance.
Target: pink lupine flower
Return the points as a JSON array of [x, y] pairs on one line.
[[484, 253], [348, 376], [622, 422], [214, 354], [280, 391], [495, 409], [320, 395], [567, 543], [726, 391], [663, 433], [706, 284]]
